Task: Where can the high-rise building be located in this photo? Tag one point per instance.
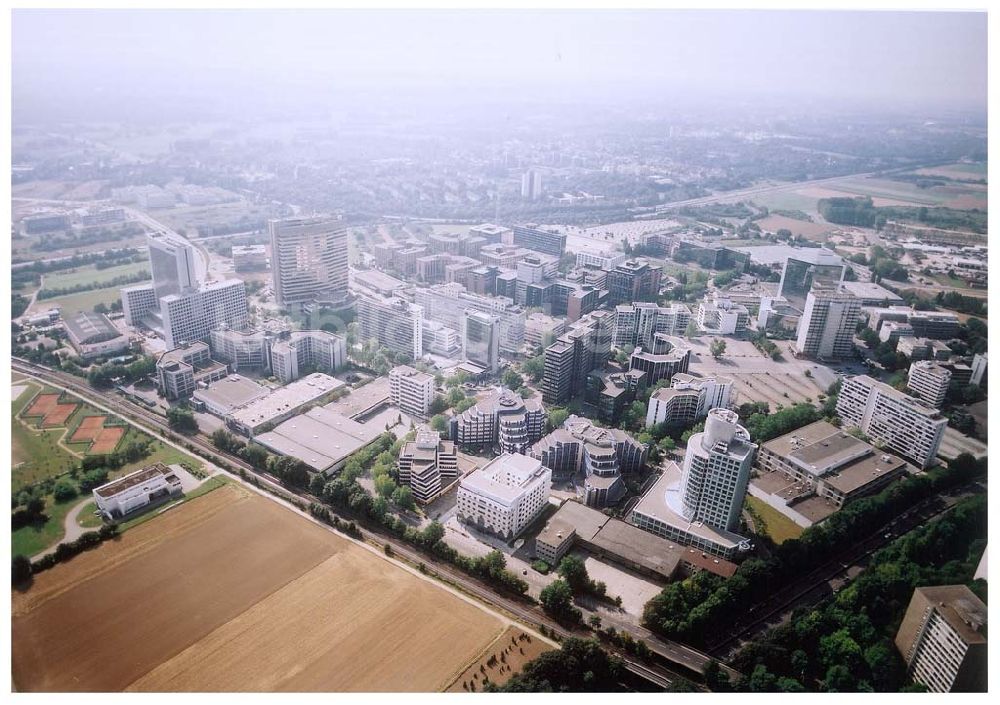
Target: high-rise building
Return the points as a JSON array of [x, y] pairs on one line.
[[193, 314], [505, 496], [667, 356], [888, 416], [137, 302], [637, 323], [929, 382], [810, 268], [308, 260], [396, 324], [446, 304], [411, 390], [603, 454], [503, 420], [171, 261], [568, 361], [633, 280], [700, 505], [687, 399], [427, 465], [942, 639], [978, 376], [531, 185], [546, 241], [481, 339], [826, 328]]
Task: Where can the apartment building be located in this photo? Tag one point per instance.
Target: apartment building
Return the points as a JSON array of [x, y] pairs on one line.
[[929, 382], [505, 496], [427, 465], [688, 399], [411, 390], [888, 416], [942, 639]]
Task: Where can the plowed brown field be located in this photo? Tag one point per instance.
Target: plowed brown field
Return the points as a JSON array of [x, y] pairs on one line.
[[233, 592]]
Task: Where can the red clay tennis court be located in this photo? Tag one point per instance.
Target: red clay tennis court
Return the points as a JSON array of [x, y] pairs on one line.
[[88, 430], [107, 440], [42, 405], [58, 415]]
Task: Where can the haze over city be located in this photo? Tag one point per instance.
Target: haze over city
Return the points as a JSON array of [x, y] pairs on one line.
[[519, 351]]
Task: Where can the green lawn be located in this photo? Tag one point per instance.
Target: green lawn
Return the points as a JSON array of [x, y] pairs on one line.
[[162, 453], [776, 525], [30, 540], [90, 274], [83, 301], [86, 517], [36, 456]]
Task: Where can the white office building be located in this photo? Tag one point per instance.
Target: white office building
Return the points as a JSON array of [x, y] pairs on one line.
[[136, 490], [411, 390], [687, 399], [826, 328], [718, 315], [505, 496], [395, 323], [308, 260], [193, 314], [427, 465], [890, 417], [637, 323], [607, 260], [171, 260], [137, 302]]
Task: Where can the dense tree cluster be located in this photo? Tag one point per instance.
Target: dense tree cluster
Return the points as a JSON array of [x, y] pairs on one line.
[[109, 373], [181, 419], [705, 604], [765, 426], [579, 666]]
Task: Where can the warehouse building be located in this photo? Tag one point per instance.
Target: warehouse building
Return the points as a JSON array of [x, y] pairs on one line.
[[321, 438], [283, 403], [93, 335]]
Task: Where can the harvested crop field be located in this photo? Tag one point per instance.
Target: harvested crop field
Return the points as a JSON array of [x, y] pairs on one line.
[[232, 592], [501, 660]]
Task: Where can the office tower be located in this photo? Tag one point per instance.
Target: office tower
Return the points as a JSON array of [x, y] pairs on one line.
[[607, 260], [942, 639], [633, 280], [809, 268], [637, 323], [667, 356], [181, 370], [427, 465], [826, 329], [688, 399], [192, 315], [505, 496], [411, 390], [716, 471], [137, 302], [171, 261], [481, 339], [929, 382], [503, 420], [978, 377], [445, 303], [575, 354], [888, 416], [531, 185], [541, 330], [308, 260], [396, 324], [603, 454], [546, 241]]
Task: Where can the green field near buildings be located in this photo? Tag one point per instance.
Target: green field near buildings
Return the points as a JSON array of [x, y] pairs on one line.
[[90, 274], [29, 540], [776, 525], [83, 301]]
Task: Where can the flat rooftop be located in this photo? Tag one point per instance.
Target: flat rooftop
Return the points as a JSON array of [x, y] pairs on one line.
[[556, 531], [829, 453], [655, 504], [585, 520], [231, 392], [89, 327], [960, 608], [133, 479], [505, 478], [867, 470], [320, 438], [872, 292], [284, 399], [639, 547]]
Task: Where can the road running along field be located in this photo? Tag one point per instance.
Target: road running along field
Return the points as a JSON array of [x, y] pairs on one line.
[[233, 592]]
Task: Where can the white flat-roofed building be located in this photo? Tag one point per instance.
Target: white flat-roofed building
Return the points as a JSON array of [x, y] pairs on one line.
[[137, 301], [871, 294], [688, 399], [929, 382], [136, 490], [428, 465], [308, 260], [395, 323], [222, 396], [607, 260], [505, 496], [411, 390], [541, 329], [826, 328], [637, 323], [492, 233], [181, 370], [321, 438], [193, 314], [282, 403], [718, 315], [888, 416], [298, 351]]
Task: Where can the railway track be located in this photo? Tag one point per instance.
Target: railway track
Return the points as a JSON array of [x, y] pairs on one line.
[[155, 425]]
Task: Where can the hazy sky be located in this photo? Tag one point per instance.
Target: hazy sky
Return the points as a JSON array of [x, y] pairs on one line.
[[102, 57]]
